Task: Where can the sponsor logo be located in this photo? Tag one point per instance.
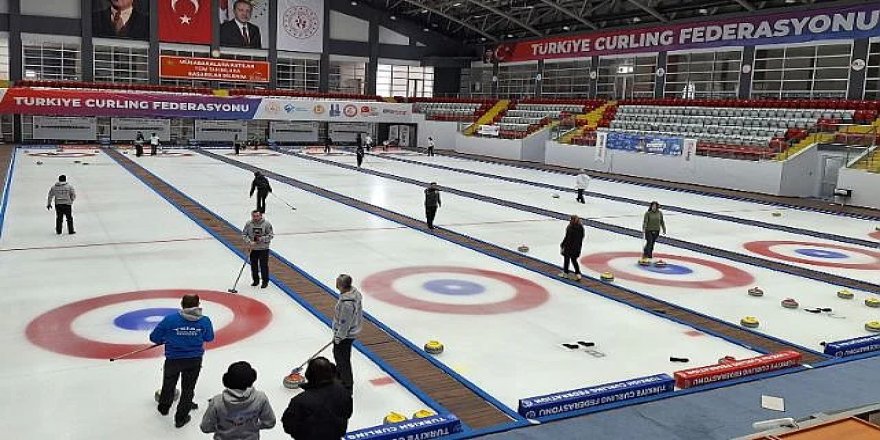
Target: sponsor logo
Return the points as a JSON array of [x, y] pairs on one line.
[[350, 110], [273, 107], [389, 111], [300, 22], [319, 109], [292, 108]]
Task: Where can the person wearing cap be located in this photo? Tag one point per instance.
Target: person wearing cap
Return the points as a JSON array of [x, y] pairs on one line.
[[240, 411], [322, 410], [262, 187]]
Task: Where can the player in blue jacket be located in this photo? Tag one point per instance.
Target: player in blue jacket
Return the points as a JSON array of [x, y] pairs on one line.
[[184, 335]]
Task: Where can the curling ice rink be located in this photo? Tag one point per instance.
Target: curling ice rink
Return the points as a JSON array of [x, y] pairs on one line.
[[502, 324]]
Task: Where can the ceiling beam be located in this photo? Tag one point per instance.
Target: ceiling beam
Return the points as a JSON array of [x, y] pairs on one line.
[[650, 10], [565, 11], [451, 18], [746, 4], [506, 16]]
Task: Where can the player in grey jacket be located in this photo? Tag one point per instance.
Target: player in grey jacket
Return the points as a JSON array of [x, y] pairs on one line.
[[240, 411], [64, 195], [347, 323], [258, 234]]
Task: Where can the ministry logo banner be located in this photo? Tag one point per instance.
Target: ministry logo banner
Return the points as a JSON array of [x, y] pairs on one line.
[[301, 25]]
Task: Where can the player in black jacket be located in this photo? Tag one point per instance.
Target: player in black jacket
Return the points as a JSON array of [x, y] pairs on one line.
[[262, 187]]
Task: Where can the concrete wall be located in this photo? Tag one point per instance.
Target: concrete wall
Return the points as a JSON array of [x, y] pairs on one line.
[[493, 147], [865, 187], [443, 133], [762, 177], [535, 145], [801, 174]]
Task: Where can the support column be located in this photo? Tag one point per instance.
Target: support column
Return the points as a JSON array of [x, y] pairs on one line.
[[373, 62], [87, 46], [539, 79], [495, 70], [856, 88], [324, 65], [745, 79], [273, 44], [660, 80], [16, 60], [593, 91], [153, 50]]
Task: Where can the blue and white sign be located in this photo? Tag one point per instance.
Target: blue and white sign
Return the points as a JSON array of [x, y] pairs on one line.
[[645, 143], [429, 427], [576, 400], [852, 347]]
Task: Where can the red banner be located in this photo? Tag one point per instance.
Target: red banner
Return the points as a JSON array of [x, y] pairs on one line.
[[736, 369], [213, 69], [185, 21]]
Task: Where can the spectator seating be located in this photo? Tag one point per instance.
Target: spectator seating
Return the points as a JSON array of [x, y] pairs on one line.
[[305, 94], [452, 109], [530, 115], [113, 86]]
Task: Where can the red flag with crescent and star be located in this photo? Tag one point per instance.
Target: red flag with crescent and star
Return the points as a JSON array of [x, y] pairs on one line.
[[185, 21]]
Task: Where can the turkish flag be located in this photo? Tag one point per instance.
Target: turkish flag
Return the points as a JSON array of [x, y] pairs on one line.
[[185, 21]]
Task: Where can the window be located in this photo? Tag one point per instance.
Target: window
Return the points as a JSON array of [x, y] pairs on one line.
[[51, 60], [121, 64], [872, 80], [518, 80], [626, 77], [703, 75], [298, 74], [347, 77], [568, 78], [185, 53], [4, 57], [476, 81], [802, 71], [402, 80]]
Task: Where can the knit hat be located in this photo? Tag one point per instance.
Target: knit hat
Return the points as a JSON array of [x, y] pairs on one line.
[[239, 376]]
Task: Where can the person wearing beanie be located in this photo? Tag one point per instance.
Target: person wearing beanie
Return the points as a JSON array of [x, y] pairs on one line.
[[322, 410], [262, 187], [63, 194], [184, 335], [240, 411]]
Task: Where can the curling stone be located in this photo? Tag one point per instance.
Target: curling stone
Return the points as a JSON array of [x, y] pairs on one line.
[[756, 291], [872, 302], [777, 214], [555, 196], [422, 414], [845, 294], [726, 360], [85, 163], [872, 326], [158, 392], [434, 347], [659, 263], [644, 261], [523, 248], [607, 276], [750, 322], [877, 228], [77, 161], [790, 303], [39, 162], [294, 380], [394, 417]]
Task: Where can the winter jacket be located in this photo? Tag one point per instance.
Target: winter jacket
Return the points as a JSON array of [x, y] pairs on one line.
[[261, 185], [359, 151], [574, 239], [63, 193], [583, 181], [238, 415], [184, 334], [154, 140], [432, 198], [653, 221], [349, 317], [259, 235], [320, 412]]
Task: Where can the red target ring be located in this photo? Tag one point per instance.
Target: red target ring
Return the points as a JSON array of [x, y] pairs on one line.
[[875, 234], [53, 330], [765, 248], [528, 294], [730, 276]]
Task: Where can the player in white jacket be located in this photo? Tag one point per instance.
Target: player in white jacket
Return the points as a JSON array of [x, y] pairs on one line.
[[63, 194], [581, 184]]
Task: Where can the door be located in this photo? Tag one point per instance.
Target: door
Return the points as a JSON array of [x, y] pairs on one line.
[[831, 166]]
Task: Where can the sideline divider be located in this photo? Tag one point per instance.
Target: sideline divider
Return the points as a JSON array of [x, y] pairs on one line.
[[429, 427], [852, 347], [736, 369]]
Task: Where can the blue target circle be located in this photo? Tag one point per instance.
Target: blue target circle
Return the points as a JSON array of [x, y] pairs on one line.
[[454, 287], [668, 269], [820, 253], [143, 319]]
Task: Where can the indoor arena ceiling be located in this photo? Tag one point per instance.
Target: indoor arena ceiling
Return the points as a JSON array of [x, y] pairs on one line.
[[487, 21]]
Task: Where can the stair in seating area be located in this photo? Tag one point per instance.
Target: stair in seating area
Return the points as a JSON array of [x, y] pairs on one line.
[[488, 117], [587, 122], [870, 162], [390, 99], [803, 144]]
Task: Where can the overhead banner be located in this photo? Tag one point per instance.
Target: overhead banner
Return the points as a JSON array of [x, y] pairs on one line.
[[244, 23], [334, 111], [121, 19], [65, 128], [28, 101], [301, 25], [286, 131], [66, 102], [213, 69], [644, 143], [185, 21], [213, 131], [860, 21], [127, 129]]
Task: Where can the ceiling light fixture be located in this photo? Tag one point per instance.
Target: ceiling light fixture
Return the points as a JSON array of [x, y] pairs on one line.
[[424, 11], [636, 19], [704, 11], [354, 3], [566, 28], [456, 4], [509, 35], [426, 29], [393, 17]]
